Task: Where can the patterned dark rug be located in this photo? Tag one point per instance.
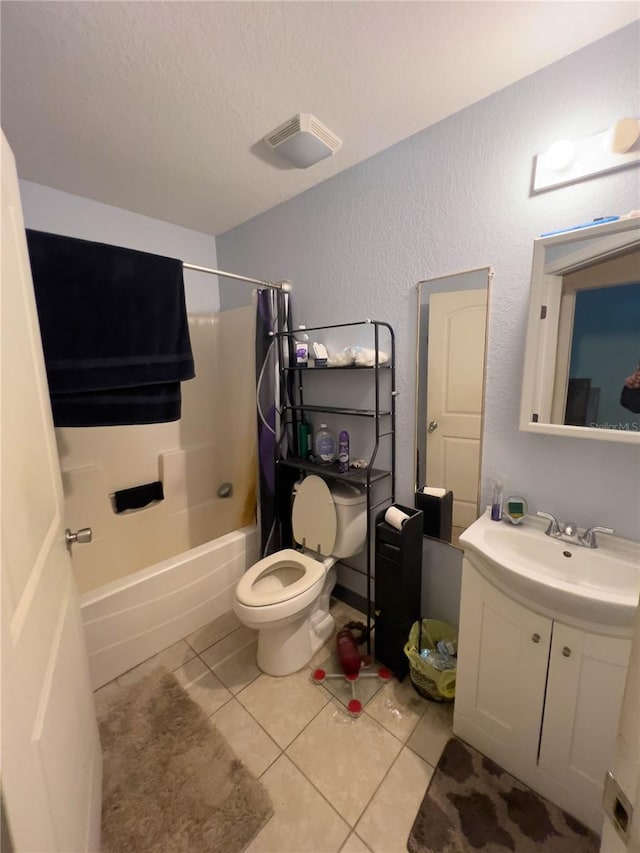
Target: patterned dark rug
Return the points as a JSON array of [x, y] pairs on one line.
[[473, 804], [172, 784]]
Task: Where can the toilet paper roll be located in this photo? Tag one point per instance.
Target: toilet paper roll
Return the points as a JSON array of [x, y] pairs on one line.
[[434, 491], [395, 517]]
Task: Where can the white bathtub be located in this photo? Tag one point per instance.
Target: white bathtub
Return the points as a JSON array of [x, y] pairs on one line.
[[128, 620]]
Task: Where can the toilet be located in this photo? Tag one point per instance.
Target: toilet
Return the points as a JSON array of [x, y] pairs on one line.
[[285, 596]]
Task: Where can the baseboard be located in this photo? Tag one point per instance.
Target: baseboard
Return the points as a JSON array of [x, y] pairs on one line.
[[353, 599]]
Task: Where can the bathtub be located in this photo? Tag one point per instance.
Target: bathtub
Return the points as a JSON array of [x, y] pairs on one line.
[[128, 620]]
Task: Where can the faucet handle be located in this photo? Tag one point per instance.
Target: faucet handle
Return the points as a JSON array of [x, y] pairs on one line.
[[554, 528], [589, 537]]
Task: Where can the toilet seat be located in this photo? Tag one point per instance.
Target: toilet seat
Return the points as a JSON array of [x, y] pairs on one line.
[[264, 585]]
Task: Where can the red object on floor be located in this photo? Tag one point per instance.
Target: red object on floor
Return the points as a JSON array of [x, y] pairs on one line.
[[319, 675], [355, 707], [385, 674], [348, 653]]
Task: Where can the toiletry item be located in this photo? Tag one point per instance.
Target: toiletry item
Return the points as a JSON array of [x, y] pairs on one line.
[[302, 347], [496, 501], [514, 509], [324, 444], [305, 440], [395, 517], [320, 355], [343, 452], [434, 491]]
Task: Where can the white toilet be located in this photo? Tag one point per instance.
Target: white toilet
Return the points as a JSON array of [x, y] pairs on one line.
[[285, 596]]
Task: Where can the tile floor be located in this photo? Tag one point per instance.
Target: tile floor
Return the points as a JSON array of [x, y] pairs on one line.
[[337, 783]]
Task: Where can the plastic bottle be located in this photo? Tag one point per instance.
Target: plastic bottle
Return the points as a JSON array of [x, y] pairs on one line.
[[324, 445], [496, 501], [305, 442], [302, 347], [343, 452]]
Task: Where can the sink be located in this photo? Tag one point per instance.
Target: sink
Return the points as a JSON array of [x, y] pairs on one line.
[[566, 580]]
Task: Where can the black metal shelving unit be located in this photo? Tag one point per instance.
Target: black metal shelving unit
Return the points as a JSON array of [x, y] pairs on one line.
[[382, 415]]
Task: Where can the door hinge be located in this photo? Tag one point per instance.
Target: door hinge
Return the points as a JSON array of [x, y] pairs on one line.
[[543, 312]]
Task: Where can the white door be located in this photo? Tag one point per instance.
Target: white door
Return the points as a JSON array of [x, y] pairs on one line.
[[455, 373], [51, 758]]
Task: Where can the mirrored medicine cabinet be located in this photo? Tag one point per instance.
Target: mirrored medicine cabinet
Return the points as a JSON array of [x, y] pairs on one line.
[[583, 333]]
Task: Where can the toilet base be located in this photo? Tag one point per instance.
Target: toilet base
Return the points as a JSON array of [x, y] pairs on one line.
[[284, 650]]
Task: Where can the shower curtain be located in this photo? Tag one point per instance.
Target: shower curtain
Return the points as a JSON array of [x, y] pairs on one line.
[[271, 394]]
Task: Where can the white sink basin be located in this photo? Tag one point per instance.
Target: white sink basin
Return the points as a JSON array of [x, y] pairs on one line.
[[596, 585]]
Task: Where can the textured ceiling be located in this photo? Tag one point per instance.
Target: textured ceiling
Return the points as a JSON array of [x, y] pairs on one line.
[[159, 107]]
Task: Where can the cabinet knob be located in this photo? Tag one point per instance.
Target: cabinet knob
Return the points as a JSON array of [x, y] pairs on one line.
[[377, 612], [566, 651], [536, 638]]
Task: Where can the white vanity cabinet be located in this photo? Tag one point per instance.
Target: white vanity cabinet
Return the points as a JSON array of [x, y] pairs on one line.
[[539, 697]]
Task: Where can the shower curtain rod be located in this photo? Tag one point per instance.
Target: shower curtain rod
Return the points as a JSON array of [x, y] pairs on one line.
[[285, 286]]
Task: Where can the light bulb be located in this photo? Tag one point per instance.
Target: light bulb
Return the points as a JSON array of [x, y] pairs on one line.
[[559, 155]]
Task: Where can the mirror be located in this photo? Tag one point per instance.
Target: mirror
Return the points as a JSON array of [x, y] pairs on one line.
[[451, 345], [583, 336]]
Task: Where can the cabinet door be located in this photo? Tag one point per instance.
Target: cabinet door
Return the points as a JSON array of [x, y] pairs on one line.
[[587, 674], [502, 666]]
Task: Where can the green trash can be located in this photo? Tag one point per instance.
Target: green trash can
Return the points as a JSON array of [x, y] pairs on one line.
[[429, 682]]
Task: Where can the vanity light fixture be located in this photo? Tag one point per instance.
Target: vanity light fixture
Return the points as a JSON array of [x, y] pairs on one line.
[[566, 162]]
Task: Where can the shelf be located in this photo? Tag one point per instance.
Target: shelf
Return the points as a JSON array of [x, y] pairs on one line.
[[337, 410], [310, 369], [379, 389], [294, 332], [357, 476]]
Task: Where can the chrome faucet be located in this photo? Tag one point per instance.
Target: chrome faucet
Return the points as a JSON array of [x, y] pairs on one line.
[[569, 532], [589, 538], [554, 527]]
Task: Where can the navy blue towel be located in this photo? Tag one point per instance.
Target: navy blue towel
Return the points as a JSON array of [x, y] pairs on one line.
[[114, 331]]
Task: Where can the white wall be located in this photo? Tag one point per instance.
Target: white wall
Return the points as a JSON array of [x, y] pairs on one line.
[[46, 209]]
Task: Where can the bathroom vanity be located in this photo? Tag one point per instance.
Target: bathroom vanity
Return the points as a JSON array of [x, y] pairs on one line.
[[544, 644]]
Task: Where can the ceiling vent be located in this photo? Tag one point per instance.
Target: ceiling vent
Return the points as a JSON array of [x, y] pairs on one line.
[[303, 140]]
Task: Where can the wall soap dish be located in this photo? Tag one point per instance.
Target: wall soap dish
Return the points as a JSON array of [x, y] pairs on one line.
[[514, 509]]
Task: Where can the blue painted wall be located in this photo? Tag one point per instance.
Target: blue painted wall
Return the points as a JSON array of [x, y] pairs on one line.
[[606, 347], [453, 197]]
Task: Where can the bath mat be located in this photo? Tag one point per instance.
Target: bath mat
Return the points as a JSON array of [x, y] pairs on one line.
[[172, 784], [473, 804]]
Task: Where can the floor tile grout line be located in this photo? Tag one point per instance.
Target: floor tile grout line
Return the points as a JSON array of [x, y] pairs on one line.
[[359, 837], [324, 797], [337, 701]]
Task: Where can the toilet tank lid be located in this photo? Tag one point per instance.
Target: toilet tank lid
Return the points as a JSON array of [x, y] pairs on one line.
[[347, 495]]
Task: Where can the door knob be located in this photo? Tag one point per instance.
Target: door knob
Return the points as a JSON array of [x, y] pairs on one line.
[[80, 536], [433, 426]]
